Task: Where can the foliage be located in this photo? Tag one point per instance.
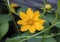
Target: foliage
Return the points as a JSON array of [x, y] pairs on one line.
[[52, 20]]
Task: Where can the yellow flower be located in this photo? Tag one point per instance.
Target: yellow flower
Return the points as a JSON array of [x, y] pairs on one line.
[[12, 5], [30, 21], [48, 6]]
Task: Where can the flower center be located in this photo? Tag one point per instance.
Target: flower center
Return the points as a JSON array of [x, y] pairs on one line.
[[30, 22]]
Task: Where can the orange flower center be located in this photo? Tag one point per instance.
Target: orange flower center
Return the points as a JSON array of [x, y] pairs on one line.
[[30, 22]]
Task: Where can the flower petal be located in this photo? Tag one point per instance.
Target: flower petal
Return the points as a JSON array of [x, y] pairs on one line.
[[38, 26], [29, 13], [13, 5], [40, 21], [24, 28], [36, 15], [21, 22], [32, 29], [23, 16]]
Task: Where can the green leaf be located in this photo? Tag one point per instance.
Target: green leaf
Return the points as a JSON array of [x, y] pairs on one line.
[[5, 18], [58, 20], [49, 40], [42, 40], [8, 40], [35, 40], [3, 29], [49, 17], [46, 24], [23, 9], [58, 39], [58, 25], [58, 9], [14, 39], [11, 40]]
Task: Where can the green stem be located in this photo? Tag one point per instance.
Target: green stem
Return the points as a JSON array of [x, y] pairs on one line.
[[8, 6], [57, 11], [42, 16], [44, 9], [43, 13], [41, 32], [54, 21], [37, 36], [41, 36], [14, 23]]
